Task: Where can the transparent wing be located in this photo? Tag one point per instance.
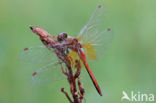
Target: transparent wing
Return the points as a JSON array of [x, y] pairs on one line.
[[95, 37], [49, 73], [38, 54]]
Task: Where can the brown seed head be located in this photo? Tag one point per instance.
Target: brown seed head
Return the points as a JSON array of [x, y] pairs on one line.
[[39, 31]]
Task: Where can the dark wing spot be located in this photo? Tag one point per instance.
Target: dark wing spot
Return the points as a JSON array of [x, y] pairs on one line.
[[100, 6], [25, 49], [34, 74], [108, 29]]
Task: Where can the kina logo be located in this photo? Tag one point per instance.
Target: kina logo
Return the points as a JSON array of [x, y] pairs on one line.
[[137, 96]]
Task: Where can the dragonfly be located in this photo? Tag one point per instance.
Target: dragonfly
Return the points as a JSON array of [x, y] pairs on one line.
[[90, 44]]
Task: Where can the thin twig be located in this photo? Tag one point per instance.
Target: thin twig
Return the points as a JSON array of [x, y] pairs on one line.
[[82, 91], [62, 90]]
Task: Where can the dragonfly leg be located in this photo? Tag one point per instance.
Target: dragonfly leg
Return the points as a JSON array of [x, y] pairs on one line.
[[78, 67], [63, 70]]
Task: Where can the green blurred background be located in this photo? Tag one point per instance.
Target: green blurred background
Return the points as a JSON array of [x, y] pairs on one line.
[[129, 64]]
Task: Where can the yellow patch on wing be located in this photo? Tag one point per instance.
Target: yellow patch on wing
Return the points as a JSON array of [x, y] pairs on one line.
[[90, 51], [73, 56], [79, 38]]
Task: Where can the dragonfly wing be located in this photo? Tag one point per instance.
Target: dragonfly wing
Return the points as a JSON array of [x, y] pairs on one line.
[[38, 54], [49, 73], [102, 42], [95, 36]]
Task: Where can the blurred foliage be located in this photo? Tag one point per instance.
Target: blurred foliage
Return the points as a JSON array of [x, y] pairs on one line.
[[129, 64]]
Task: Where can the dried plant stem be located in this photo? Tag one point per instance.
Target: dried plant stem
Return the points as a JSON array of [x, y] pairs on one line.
[[66, 94], [76, 88]]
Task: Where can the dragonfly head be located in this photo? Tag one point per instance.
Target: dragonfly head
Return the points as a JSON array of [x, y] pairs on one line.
[[61, 36], [40, 32]]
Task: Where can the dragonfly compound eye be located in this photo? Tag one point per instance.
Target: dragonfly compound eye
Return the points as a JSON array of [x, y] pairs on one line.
[[62, 36], [65, 35]]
